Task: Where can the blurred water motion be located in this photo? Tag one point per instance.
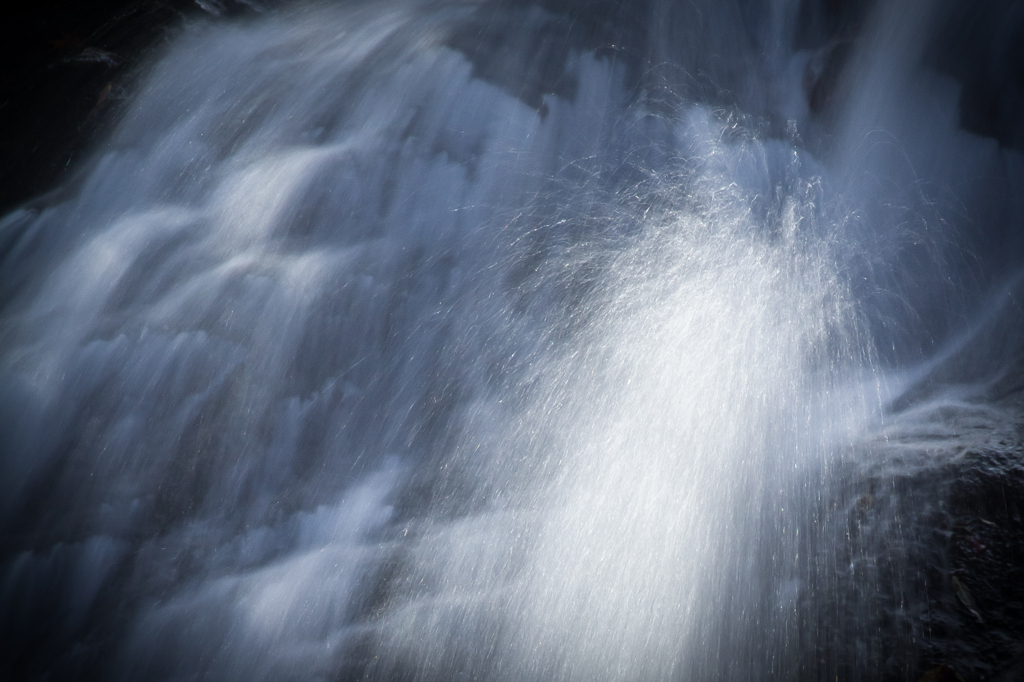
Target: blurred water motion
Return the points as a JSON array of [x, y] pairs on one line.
[[506, 341]]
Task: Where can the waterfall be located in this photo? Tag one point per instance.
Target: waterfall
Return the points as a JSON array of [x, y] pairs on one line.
[[498, 341]]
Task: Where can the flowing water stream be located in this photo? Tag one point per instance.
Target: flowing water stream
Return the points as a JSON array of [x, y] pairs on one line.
[[495, 341]]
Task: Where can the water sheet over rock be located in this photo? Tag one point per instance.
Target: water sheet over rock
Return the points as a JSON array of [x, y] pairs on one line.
[[517, 341]]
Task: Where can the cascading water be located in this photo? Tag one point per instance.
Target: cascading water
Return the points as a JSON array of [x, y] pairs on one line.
[[502, 341]]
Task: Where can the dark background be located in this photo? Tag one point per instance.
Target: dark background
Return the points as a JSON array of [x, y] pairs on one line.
[[67, 65]]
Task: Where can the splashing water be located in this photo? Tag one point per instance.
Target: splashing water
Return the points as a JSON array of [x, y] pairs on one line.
[[361, 353], [632, 519]]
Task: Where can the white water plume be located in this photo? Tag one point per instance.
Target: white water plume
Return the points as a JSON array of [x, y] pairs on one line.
[[632, 514]]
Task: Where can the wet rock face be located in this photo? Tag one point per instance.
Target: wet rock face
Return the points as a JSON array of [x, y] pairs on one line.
[[983, 608], [982, 46], [936, 552], [825, 21], [979, 44]]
